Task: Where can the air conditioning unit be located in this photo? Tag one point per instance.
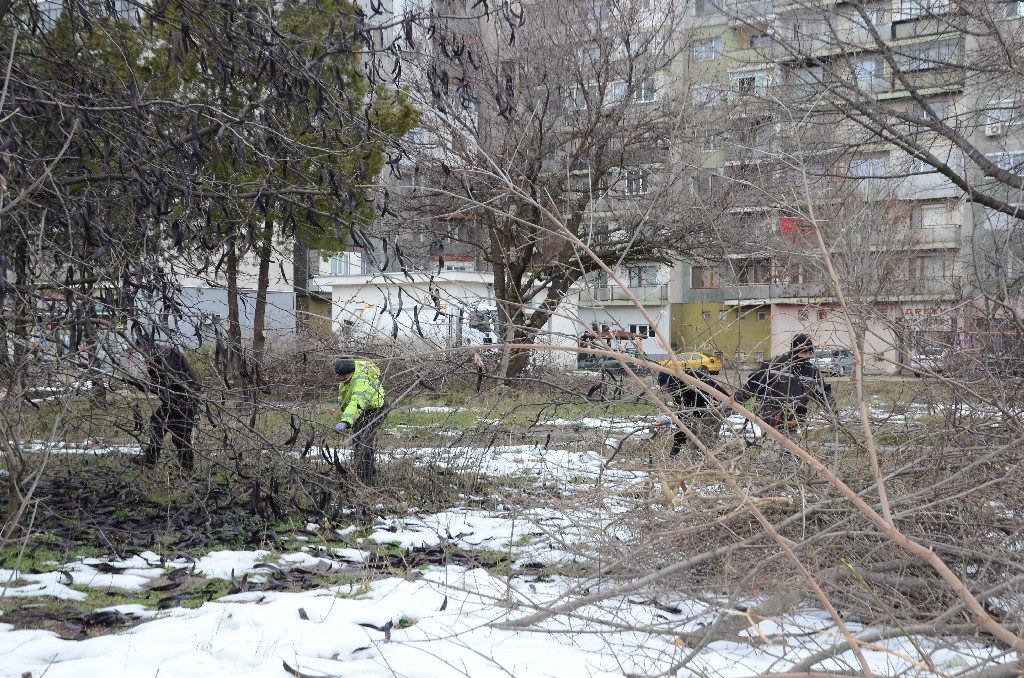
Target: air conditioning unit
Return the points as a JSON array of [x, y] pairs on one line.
[[994, 128]]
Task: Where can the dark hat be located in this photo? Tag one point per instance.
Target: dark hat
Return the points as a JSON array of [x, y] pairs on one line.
[[345, 366], [802, 342]]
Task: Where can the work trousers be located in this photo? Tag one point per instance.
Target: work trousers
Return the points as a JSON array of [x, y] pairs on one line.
[[177, 418]]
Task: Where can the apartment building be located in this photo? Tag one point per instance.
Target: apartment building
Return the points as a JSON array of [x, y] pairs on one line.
[[858, 123], [841, 119]]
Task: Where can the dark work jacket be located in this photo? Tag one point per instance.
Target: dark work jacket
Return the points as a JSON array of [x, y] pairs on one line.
[[172, 378], [686, 395], [782, 388]]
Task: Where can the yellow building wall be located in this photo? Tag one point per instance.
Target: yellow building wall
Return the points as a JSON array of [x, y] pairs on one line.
[[737, 333]]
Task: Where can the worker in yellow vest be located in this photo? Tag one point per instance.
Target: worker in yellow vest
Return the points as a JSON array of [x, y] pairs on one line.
[[362, 401]]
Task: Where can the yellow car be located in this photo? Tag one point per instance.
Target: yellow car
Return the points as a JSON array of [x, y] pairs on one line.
[[698, 362]]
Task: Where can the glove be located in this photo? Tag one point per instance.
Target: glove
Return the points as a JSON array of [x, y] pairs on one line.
[[341, 426]]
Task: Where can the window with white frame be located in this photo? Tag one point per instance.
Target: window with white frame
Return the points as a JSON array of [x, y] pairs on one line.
[[749, 83], [647, 92], [814, 27], [639, 43], [919, 165], [638, 182], [616, 92], [865, 168], [642, 330], [707, 50], [702, 7], [937, 110], [723, 315], [1011, 161], [705, 316], [340, 264], [1002, 115], [642, 276], [759, 40], [1011, 10], [874, 17], [581, 97], [928, 55], [870, 72], [913, 9]]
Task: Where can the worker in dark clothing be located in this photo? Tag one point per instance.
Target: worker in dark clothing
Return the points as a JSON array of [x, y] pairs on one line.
[[175, 383], [361, 396], [696, 408], [784, 386]]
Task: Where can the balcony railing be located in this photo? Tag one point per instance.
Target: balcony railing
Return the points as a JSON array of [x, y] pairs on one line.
[[646, 294], [890, 289]]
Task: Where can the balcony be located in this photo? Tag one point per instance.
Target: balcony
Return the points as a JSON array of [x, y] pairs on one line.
[[613, 295], [941, 236], [907, 289]]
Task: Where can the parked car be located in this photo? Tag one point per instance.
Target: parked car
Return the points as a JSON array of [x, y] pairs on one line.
[[698, 362], [601, 363], [833, 362], [1005, 362], [928, 360]]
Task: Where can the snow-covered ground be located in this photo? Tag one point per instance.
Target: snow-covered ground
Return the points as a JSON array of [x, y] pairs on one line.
[[439, 621]]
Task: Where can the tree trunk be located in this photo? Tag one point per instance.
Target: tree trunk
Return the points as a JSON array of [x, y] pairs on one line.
[[262, 283], [234, 334]]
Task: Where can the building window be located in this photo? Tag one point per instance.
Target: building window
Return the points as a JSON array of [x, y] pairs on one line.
[[1011, 10], [759, 356], [1011, 161], [870, 73], [642, 330], [642, 276], [637, 182], [702, 7], [582, 97], [647, 92], [340, 264], [822, 315], [874, 17], [705, 316], [759, 40], [707, 50], [703, 278], [921, 166], [864, 168], [762, 315], [756, 272], [723, 315], [912, 9], [924, 56], [751, 83], [937, 111], [1001, 115], [803, 315]]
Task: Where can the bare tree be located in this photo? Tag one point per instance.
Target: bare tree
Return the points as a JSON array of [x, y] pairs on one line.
[[576, 109]]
